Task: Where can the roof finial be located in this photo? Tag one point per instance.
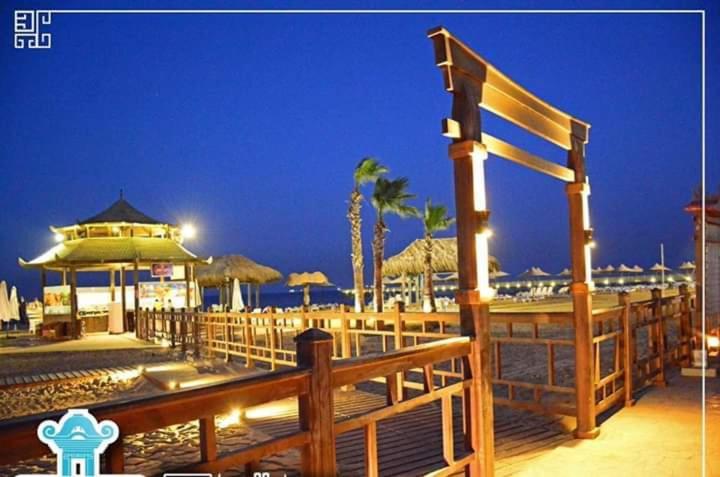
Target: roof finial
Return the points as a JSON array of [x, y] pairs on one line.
[[121, 194]]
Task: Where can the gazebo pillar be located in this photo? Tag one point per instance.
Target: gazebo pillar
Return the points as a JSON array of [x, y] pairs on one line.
[[112, 286], [187, 286], [123, 296], [136, 301], [473, 297], [257, 294], [74, 332], [580, 288]]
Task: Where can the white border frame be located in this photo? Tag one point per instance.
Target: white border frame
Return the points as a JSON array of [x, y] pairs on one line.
[[499, 11]]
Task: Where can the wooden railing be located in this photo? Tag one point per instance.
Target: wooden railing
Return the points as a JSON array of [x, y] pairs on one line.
[[312, 382], [544, 384]]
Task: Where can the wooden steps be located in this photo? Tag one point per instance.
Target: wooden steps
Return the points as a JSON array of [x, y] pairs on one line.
[[48, 378]]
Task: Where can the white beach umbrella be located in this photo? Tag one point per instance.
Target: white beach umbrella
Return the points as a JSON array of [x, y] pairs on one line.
[[609, 269], [534, 272], [624, 268], [637, 269], [237, 301], [659, 268], [498, 274], [687, 266], [598, 271], [565, 273], [14, 305]]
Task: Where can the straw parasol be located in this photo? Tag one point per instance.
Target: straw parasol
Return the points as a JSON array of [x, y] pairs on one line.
[[229, 267], [305, 280], [412, 259]]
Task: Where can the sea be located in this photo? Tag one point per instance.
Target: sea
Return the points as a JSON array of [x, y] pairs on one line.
[[285, 299]]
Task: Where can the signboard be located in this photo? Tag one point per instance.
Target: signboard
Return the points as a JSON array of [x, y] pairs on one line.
[[164, 294], [164, 270], [56, 300]]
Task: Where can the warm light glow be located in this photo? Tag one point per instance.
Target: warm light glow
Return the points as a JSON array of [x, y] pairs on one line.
[[688, 278], [188, 231], [229, 419], [172, 384], [713, 342], [269, 410], [58, 237]]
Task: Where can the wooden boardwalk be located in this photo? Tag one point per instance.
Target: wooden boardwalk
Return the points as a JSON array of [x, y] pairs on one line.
[[411, 443]]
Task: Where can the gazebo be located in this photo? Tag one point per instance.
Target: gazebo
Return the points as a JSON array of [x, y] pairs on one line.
[[118, 239], [223, 270]]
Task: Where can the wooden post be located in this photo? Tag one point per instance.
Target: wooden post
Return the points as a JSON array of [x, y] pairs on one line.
[[273, 344], [172, 327], [659, 336], [196, 334], [628, 346], [226, 334], [685, 326], [183, 330], [115, 457], [248, 341], [316, 409], [371, 451], [187, 285], [123, 298], [580, 245], [208, 444], [136, 288], [398, 337], [473, 296], [74, 324], [346, 347], [112, 286]]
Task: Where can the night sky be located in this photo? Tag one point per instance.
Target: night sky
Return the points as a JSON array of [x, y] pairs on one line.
[[250, 126]]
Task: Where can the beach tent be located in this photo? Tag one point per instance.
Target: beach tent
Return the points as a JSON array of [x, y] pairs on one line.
[[687, 266], [609, 269], [624, 269], [565, 273], [637, 269], [598, 271], [305, 280], [237, 300]]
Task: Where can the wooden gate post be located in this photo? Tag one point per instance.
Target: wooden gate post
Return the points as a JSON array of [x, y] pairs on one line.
[[628, 343], [314, 351], [196, 332], [474, 297], [580, 244], [248, 341], [183, 330], [173, 329]]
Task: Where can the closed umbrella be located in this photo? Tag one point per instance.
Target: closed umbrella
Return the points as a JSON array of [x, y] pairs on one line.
[[237, 300], [14, 305], [4, 303]]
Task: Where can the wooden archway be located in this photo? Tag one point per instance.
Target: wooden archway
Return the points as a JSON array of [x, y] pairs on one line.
[[475, 84]]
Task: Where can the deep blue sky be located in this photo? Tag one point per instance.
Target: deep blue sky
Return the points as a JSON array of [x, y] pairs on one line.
[[250, 126]]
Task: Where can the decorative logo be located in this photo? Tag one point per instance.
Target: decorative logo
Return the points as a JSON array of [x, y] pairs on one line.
[[78, 440], [27, 29]]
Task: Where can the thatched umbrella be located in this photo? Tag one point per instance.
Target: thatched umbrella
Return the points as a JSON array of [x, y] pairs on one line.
[[305, 280], [444, 258], [224, 270]]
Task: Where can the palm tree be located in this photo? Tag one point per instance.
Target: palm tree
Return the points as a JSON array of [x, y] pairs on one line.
[[368, 170], [389, 196], [435, 218]]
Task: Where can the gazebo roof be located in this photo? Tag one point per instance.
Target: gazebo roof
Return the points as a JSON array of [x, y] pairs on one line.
[[411, 259], [121, 211], [99, 252], [230, 267]]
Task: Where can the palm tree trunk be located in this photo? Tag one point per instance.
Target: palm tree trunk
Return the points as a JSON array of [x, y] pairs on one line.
[[378, 252], [429, 292], [357, 252]]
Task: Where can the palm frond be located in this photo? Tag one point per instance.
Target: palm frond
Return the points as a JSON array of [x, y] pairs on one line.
[[391, 196], [368, 169], [435, 217]]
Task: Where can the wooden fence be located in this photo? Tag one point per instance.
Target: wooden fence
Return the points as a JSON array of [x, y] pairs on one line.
[[312, 382], [533, 353]]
